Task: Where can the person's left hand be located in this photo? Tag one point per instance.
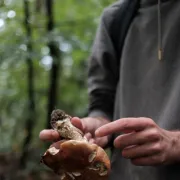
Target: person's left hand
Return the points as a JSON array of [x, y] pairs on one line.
[[143, 141]]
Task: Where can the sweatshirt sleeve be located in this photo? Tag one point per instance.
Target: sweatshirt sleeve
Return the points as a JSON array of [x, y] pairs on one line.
[[103, 71]]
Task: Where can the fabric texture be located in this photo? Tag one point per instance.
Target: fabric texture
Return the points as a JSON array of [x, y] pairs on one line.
[[138, 84]]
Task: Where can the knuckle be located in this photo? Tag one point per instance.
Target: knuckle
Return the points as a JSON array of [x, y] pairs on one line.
[[125, 124], [157, 147], [151, 122], [154, 134]]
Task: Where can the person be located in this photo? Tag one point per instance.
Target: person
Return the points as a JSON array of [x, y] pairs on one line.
[[135, 100]]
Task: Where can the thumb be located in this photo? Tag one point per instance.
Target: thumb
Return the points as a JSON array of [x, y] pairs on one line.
[[78, 123]]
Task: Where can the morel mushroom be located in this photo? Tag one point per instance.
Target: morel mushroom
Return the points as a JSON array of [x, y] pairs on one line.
[[73, 158]]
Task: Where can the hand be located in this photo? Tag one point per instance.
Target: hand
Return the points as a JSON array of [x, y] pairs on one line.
[[143, 141], [87, 125]]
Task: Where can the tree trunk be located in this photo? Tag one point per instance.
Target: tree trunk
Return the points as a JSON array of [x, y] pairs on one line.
[[30, 121], [39, 6], [56, 55]]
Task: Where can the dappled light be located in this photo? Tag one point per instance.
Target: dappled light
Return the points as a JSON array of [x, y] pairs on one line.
[[44, 49]]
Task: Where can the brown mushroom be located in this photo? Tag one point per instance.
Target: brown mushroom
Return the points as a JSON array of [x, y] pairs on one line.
[[74, 158]]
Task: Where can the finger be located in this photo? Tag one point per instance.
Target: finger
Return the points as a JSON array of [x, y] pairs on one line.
[[148, 161], [102, 142], [49, 135], [91, 141], [77, 122], [136, 138], [57, 144], [123, 125], [141, 151], [88, 136]]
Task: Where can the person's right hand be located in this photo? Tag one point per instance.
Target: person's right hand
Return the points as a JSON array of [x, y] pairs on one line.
[[88, 125]]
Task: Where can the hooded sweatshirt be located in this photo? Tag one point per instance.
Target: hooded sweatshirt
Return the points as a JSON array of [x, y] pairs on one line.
[[138, 84]]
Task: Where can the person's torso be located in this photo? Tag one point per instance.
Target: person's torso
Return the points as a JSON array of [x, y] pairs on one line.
[[149, 87]]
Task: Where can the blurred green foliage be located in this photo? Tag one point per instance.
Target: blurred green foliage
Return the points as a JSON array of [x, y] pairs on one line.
[[75, 26]]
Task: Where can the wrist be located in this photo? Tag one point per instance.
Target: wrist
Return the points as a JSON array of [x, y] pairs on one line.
[[100, 115], [175, 151], [103, 120]]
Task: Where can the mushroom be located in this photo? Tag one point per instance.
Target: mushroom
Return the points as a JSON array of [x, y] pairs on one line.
[[73, 157]]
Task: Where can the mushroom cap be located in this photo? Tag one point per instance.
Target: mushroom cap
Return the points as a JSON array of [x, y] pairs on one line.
[[77, 160]]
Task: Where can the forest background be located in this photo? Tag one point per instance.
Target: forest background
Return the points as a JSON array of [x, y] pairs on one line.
[[44, 48]]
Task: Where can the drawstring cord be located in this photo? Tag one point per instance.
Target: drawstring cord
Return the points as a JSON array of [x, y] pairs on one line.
[[160, 51]]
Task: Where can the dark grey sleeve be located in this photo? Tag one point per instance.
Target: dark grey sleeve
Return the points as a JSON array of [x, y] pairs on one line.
[[103, 72]]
